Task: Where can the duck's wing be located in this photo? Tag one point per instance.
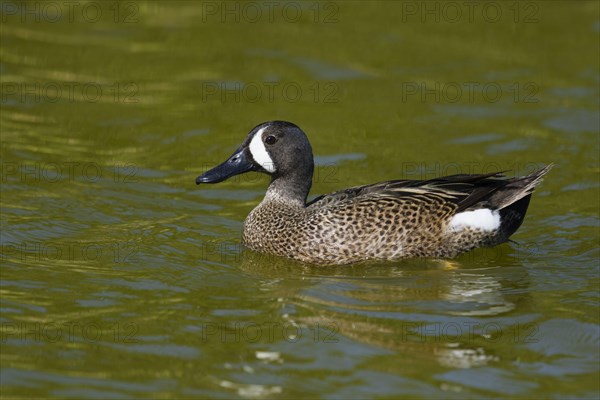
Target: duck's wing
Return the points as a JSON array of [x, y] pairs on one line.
[[466, 191], [454, 188]]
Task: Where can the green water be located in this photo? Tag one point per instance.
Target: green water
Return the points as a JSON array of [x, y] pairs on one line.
[[123, 279]]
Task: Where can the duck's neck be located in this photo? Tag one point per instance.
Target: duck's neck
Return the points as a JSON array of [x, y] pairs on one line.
[[291, 189]]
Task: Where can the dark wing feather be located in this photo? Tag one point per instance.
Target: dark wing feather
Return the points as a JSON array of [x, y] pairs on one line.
[[463, 190]]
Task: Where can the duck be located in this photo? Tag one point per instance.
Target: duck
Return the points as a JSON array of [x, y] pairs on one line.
[[385, 221]]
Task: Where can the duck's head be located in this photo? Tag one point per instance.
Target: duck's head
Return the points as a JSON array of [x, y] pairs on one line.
[[277, 148]]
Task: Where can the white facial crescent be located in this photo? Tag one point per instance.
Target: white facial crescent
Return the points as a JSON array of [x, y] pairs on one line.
[[259, 152]]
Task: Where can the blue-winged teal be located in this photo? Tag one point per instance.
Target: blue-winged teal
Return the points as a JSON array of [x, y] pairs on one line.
[[440, 217]]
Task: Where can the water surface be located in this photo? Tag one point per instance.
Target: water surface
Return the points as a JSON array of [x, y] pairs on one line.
[[122, 279]]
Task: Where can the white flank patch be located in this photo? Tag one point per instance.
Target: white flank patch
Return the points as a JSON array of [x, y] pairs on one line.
[[259, 153], [484, 219]]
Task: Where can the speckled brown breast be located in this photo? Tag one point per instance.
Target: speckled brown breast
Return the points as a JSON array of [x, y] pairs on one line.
[[381, 228]]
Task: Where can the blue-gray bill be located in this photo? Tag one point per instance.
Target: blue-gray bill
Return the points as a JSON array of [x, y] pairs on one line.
[[238, 163]]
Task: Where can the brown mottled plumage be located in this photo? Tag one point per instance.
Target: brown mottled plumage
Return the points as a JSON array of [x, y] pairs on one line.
[[384, 221]]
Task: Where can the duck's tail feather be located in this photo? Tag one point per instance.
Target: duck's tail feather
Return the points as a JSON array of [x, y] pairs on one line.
[[518, 189]]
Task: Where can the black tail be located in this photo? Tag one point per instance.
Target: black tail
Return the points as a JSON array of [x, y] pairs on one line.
[[512, 217], [513, 199]]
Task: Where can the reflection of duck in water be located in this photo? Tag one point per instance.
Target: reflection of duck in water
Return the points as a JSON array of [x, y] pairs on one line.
[[411, 307], [440, 217], [456, 314]]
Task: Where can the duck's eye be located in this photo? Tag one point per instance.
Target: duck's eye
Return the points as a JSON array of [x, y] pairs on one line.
[[270, 140]]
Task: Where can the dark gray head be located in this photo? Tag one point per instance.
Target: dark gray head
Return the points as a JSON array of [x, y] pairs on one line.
[[277, 148]]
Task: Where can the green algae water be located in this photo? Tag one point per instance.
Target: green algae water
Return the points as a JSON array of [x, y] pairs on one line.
[[123, 279]]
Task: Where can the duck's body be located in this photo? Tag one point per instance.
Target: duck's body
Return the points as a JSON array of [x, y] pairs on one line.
[[390, 220]]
